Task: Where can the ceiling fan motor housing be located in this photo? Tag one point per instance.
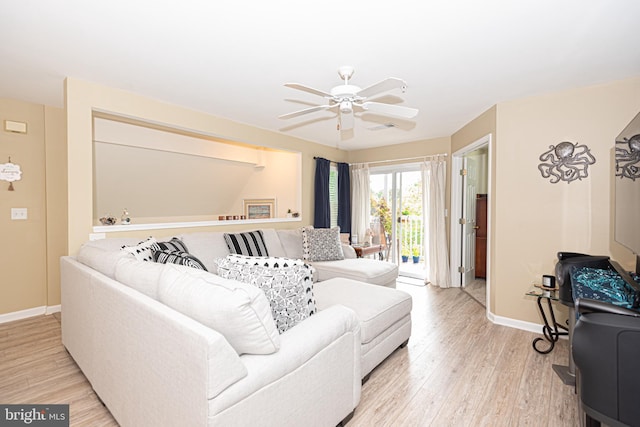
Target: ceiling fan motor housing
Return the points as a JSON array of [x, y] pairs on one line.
[[346, 107]]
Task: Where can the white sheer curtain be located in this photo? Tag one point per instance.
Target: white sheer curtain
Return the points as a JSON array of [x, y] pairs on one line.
[[360, 201], [433, 200]]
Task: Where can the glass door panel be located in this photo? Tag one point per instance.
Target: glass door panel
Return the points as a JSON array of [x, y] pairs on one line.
[[396, 202]]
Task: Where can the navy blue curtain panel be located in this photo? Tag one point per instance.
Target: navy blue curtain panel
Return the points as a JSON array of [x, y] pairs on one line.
[[344, 198], [322, 209]]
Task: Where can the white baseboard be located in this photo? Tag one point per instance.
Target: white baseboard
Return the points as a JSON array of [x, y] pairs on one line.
[[518, 324], [53, 309], [514, 323], [30, 312]]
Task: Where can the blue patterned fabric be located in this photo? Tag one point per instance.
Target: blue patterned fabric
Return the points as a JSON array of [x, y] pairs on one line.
[[602, 285]]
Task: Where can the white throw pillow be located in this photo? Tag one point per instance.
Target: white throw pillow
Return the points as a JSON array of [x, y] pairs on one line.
[[237, 310], [143, 251]]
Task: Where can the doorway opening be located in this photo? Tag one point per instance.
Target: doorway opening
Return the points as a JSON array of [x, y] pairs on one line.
[[396, 205], [471, 218]]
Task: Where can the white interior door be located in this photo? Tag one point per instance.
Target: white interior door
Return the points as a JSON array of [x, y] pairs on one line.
[[470, 189]]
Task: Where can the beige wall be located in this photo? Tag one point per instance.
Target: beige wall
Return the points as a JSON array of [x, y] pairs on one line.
[[83, 98], [182, 187], [534, 219], [30, 246], [563, 216]]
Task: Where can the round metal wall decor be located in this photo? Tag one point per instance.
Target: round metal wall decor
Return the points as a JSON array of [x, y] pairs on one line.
[[566, 162]]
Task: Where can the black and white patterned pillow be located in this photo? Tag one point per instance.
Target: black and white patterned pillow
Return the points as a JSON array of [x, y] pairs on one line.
[[265, 261], [321, 244], [174, 245], [143, 251], [289, 290], [177, 257], [250, 243]]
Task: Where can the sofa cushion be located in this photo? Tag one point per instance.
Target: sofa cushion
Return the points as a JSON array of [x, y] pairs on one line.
[[321, 244], [291, 242], [102, 257], [238, 311], [208, 247], [177, 257], [139, 275], [273, 243], [378, 308], [250, 243], [288, 289], [143, 251], [363, 269]]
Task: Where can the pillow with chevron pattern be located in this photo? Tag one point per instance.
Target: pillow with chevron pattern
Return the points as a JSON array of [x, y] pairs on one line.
[[177, 257]]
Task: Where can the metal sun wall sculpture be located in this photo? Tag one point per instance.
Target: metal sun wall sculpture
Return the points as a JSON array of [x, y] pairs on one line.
[[566, 162], [627, 158]]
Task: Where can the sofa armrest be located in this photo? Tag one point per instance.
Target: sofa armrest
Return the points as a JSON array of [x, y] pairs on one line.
[[349, 252], [148, 363], [320, 356]]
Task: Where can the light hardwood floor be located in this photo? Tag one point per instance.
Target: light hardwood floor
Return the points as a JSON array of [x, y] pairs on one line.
[[459, 369]]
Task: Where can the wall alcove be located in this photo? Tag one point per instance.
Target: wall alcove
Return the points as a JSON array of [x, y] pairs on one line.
[[167, 178]]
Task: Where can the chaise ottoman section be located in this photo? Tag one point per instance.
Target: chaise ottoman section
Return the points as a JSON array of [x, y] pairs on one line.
[[372, 271], [384, 314]]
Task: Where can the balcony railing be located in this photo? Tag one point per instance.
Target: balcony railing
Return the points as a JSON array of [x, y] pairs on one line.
[[410, 235]]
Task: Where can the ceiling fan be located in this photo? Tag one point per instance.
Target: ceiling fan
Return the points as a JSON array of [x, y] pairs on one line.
[[346, 99]]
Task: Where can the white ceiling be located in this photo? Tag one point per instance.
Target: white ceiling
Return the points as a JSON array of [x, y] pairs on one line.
[[232, 58]]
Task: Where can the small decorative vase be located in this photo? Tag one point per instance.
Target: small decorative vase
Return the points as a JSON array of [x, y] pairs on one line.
[[125, 219]]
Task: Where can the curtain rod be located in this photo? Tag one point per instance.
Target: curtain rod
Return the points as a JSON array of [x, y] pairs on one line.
[[405, 159], [430, 156], [330, 161]]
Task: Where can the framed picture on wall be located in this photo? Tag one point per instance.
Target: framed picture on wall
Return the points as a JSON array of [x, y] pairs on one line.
[[259, 208]]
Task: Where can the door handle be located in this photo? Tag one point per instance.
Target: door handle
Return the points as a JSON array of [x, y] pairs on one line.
[[476, 227]]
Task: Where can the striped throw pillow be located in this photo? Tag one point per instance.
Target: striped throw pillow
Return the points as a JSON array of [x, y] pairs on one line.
[[250, 243], [174, 244]]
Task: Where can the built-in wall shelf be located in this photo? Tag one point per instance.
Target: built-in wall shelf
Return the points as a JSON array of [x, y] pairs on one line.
[[166, 225]]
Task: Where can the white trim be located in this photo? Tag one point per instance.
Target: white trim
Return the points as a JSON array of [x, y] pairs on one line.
[[164, 225], [456, 199], [22, 314], [517, 324], [53, 309], [29, 312], [456, 205]]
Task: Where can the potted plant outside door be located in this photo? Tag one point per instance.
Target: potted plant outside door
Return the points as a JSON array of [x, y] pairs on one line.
[[416, 254]]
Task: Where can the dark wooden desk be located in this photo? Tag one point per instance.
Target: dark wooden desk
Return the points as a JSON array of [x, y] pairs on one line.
[[362, 251]]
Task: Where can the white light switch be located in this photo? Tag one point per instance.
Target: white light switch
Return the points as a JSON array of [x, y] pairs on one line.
[[18, 213]]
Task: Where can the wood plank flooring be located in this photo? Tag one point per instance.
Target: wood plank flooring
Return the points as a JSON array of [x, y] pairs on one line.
[[459, 369]]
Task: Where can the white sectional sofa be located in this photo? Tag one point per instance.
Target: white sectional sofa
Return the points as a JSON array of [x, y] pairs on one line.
[[141, 333]]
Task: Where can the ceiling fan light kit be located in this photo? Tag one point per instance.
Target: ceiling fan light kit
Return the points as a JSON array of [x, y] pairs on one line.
[[345, 97]]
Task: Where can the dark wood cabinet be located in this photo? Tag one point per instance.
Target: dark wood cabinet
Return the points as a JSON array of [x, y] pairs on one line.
[[481, 236]]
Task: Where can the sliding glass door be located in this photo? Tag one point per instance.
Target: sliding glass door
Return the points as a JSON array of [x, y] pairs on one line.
[[396, 204]]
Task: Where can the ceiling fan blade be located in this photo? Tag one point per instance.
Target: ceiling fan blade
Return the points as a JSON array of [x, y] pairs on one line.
[[383, 86], [346, 121], [389, 110], [305, 111], [308, 89]]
